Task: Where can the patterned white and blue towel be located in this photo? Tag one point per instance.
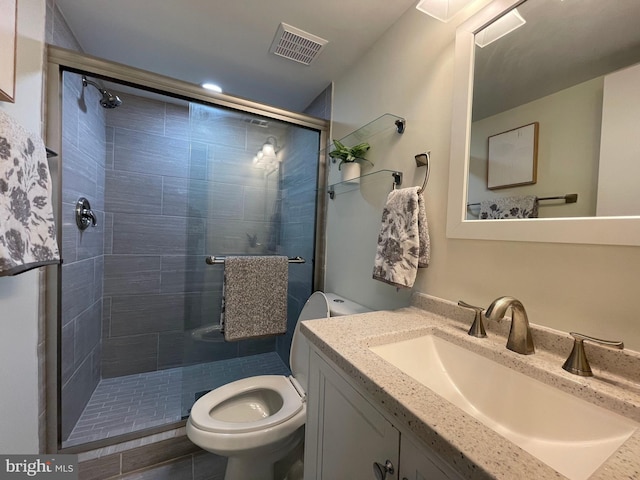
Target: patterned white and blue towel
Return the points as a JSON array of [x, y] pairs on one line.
[[27, 229], [403, 242], [525, 206]]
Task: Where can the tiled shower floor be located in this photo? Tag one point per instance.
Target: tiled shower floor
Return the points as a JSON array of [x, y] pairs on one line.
[[135, 402]]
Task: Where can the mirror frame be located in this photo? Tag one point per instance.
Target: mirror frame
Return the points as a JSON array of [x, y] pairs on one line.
[[620, 230]]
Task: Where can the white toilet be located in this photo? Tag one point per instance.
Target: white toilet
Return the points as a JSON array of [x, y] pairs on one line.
[[257, 421]]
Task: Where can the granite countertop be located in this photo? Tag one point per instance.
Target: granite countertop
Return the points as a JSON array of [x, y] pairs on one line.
[[471, 448]]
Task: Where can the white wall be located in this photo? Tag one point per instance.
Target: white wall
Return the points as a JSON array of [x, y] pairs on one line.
[[409, 72], [568, 149], [19, 295], [618, 192]]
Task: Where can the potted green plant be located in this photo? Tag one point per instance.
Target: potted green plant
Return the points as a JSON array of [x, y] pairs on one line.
[[350, 157]]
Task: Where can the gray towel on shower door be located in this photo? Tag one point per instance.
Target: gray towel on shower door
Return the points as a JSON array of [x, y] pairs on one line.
[[255, 296]]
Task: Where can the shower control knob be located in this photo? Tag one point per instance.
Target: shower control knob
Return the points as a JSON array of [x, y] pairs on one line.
[[84, 215], [381, 471]]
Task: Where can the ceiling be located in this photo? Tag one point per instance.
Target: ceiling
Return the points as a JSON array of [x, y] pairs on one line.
[[563, 43], [227, 41]]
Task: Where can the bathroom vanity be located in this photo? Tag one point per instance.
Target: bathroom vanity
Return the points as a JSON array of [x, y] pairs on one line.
[[372, 409], [348, 436]]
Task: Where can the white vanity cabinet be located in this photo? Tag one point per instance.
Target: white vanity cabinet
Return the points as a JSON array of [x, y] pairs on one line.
[[417, 464], [346, 434]]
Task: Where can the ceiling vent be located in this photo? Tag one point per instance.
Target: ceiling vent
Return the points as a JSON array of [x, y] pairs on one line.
[[297, 45], [257, 122]]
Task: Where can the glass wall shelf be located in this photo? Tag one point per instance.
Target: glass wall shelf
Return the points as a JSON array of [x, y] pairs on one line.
[[344, 187], [384, 122]]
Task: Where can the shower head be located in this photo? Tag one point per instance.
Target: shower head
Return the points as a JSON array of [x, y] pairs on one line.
[[108, 100]]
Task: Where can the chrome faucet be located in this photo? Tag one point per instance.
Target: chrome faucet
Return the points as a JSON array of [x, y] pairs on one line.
[[520, 338]]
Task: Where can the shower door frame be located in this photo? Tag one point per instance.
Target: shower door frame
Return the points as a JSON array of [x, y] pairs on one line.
[[60, 60]]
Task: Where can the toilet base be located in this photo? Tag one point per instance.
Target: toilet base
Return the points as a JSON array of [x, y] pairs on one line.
[[291, 467], [243, 468], [259, 465]]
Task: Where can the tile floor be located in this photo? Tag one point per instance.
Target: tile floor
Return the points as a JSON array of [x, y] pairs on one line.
[[135, 402]]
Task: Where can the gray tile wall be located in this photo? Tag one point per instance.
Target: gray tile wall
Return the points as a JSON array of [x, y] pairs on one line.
[[180, 185], [57, 32], [83, 158], [321, 105]]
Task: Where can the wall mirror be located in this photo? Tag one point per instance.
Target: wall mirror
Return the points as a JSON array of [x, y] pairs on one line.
[[572, 67]]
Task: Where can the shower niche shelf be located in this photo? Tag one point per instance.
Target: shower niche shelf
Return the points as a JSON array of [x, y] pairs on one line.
[[344, 187]]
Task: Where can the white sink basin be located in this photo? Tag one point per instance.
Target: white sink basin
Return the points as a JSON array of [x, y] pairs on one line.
[[567, 433]]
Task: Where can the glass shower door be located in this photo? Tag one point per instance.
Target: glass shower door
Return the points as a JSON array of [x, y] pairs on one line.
[[243, 192]]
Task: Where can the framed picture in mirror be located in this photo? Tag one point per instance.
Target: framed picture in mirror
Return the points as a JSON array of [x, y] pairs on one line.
[[8, 16], [513, 157]]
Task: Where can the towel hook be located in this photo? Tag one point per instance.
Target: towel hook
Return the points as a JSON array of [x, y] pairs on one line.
[[422, 160]]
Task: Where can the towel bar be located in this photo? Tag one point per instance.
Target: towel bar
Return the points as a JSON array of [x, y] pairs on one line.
[[219, 259], [568, 198]]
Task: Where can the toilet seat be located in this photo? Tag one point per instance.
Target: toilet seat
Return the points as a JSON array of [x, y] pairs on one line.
[[292, 403]]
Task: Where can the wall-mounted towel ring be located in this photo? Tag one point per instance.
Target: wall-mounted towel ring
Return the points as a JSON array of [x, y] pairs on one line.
[[422, 160]]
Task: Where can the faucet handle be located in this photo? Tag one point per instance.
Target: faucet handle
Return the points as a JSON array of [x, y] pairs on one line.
[[577, 362], [477, 327]]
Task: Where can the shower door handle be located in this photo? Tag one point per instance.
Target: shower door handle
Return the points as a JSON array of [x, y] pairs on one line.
[[84, 215]]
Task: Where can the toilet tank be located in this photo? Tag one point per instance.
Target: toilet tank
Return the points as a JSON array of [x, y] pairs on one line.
[[317, 307], [339, 306]]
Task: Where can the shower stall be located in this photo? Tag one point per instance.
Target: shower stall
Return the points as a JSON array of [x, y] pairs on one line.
[[164, 176]]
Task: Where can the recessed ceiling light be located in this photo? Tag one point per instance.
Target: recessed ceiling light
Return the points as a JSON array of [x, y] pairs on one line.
[[212, 86], [443, 10], [501, 27]]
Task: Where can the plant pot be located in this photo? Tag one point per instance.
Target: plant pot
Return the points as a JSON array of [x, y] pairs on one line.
[[350, 172]]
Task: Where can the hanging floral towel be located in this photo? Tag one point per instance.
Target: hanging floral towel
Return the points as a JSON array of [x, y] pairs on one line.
[[27, 230], [403, 242], [509, 207]]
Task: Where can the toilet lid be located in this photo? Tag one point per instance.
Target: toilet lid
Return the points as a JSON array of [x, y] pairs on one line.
[[201, 418], [317, 306]]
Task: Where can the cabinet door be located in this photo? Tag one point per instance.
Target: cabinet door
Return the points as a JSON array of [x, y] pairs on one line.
[[345, 435], [416, 464]]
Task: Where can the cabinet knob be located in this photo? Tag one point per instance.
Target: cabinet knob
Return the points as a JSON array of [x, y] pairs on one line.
[[381, 471]]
